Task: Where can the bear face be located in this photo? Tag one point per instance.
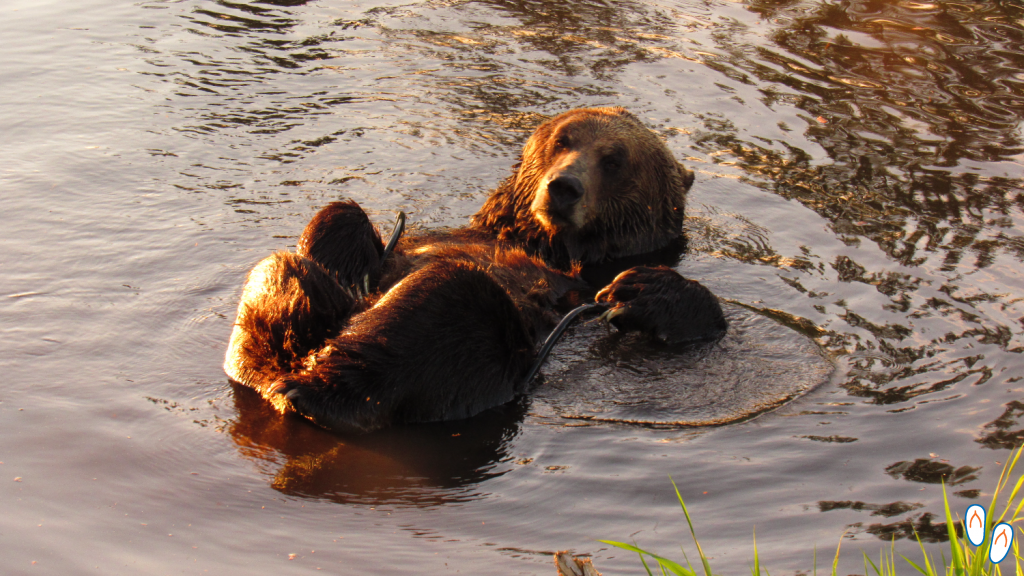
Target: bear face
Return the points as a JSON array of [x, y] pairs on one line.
[[592, 184]]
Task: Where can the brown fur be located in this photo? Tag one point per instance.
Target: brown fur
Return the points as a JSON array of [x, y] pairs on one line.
[[634, 190], [532, 285], [450, 327]]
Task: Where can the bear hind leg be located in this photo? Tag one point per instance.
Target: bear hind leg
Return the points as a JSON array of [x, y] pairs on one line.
[[443, 344], [290, 306]]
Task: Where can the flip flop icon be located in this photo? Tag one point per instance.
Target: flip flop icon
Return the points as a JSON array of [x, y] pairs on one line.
[[974, 522], [1002, 537]]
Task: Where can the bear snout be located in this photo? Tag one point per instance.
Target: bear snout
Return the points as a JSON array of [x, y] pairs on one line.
[[564, 191], [560, 202]]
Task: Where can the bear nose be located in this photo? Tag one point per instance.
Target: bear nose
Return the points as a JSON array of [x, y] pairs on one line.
[[565, 191]]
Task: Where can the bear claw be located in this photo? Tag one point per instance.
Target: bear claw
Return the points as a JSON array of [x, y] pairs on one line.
[[661, 302], [611, 313]]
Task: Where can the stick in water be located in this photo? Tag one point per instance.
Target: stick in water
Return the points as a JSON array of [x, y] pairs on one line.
[[549, 343], [396, 233]]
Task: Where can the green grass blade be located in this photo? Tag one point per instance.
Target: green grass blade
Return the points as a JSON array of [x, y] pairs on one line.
[[756, 570], [892, 556], [868, 560], [631, 548], [689, 566], [927, 562], [675, 567], [693, 533], [757, 559], [959, 562], [624, 546], [965, 559], [1016, 555], [916, 567], [1010, 499], [1004, 479], [646, 567], [835, 562], [1016, 511], [672, 566], [1012, 462]]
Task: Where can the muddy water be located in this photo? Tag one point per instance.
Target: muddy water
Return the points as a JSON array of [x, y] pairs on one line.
[[858, 201]]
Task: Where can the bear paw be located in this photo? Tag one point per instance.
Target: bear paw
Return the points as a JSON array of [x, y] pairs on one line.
[[309, 398], [287, 395], [660, 302], [341, 238]]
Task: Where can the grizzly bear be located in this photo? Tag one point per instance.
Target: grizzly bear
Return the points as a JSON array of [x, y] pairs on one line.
[[446, 326]]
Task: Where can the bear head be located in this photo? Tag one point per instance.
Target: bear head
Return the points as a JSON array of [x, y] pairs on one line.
[[592, 184]]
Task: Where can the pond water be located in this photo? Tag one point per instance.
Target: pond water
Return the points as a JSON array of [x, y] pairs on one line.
[[859, 204]]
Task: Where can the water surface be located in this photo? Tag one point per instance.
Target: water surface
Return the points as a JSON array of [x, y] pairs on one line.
[[858, 190]]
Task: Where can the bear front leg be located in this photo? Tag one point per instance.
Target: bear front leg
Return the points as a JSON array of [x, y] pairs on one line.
[[341, 238], [660, 302]]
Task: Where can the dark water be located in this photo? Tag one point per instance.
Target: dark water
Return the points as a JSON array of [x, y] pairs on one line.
[[859, 182]]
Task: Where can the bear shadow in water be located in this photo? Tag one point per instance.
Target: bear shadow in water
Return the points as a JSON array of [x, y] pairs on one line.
[[414, 465]]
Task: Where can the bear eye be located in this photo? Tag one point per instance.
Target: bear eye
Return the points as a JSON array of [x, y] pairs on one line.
[[562, 142], [611, 162]]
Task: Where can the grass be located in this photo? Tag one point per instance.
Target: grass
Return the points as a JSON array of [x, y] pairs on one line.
[[964, 558]]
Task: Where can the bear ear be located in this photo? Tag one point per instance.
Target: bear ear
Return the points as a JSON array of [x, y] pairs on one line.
[[687, 175]]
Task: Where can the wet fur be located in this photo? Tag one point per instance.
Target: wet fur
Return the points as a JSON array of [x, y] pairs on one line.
[[637, 211], [453, 317]]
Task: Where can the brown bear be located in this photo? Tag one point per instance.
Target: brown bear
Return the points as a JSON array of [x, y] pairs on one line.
[[446, 326]]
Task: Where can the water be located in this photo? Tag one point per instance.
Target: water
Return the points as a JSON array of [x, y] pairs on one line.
[[859, 182]]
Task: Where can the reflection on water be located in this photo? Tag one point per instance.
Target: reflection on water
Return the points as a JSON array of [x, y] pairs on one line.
[[422, 466], [859, 186], [918, 108], [591, 377], [1006, 432], [923, 527], [916, 527], [885, 510], [924, 470], [903, 86]]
